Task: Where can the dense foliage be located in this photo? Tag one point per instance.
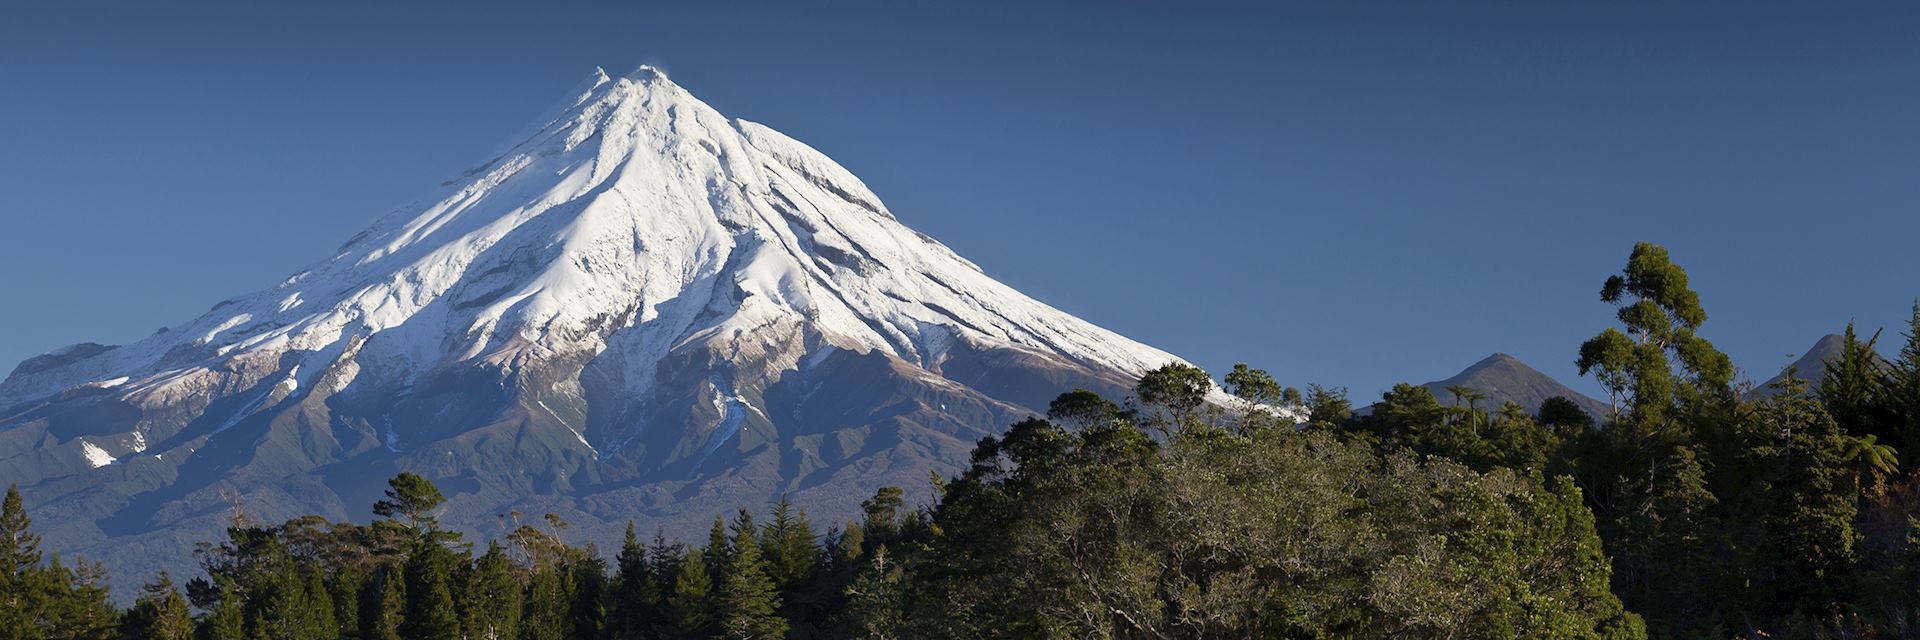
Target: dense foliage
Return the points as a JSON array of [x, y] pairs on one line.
[[1696, 509]]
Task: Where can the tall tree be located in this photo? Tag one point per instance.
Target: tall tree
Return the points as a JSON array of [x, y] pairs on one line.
[[691, 601], [430, 612], [411, 500], [546, 612], [160, 613], [748, 600], [490, 605], [636, 593]]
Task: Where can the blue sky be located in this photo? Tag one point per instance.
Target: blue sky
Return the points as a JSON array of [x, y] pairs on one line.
[[1345, 194]]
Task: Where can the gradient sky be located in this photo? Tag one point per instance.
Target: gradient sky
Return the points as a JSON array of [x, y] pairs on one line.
[[1345, 194]]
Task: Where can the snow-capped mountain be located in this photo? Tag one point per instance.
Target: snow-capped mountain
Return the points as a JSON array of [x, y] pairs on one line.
[[640, 308]]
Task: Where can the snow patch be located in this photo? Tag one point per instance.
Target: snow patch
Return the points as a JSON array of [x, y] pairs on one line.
[[96, 456]]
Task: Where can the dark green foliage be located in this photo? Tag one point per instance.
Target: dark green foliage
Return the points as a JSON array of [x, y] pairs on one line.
[[411, 500], [636, 590], [748, 600], [160, 614], [546, 614], [691, 604], [430, 613], [385, 606], [490, 602], [1563, 413], [49, 600]]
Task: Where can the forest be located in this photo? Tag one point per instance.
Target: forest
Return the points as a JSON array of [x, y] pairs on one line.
[[1700, 507]]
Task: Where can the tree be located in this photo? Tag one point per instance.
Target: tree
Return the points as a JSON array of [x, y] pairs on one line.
[[159, 614], [386, 606], [1902, 390], [1253, 385], [1178, 389], [19, 547], [1660, 314], [748, 600], [19, 560], [491, 601], [430, 610], [545, 615], [790, 547], [587, 591], [874, 599], [1872, 461], [411, 500], [1328, 408], [636, 592], [227, 620], [691, 600], [1565, 414], [882, 524]]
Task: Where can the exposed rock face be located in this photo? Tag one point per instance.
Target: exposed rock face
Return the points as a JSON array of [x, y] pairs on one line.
[[641, 309]]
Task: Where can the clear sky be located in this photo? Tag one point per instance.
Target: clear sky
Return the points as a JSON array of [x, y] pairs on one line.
[[1346, 194]]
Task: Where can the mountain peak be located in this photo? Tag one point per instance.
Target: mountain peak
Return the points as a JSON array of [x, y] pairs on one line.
[[1505, 378], [638, 302]]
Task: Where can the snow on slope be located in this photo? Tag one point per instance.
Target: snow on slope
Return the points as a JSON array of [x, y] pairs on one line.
[[619, 221]]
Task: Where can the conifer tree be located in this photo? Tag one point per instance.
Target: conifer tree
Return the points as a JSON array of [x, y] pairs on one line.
[[789, 546], [227, 620], [19, 560], [344, 587], [748, 601], [874, 608], [386, 605], [587, 594], [636, 593], [545, 614], [491, 600], [691, 600], [411, 500], [430, 613], [160, 613], [1902, 393], [717, 549], [321, 622]]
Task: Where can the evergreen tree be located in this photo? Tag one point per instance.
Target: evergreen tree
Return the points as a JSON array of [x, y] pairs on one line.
[[19, 560], [748, 601], [587, 594], [344, 587], [546, 613], [882, 524], [159, 614], [490, 604], [411, 500], [319, 607], [227, 620], [430, 613], [385, 608], [718, 548], [789, 546], [1814, 545], [1902, 393], [691, 600], [636, 590], [874, 599]]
